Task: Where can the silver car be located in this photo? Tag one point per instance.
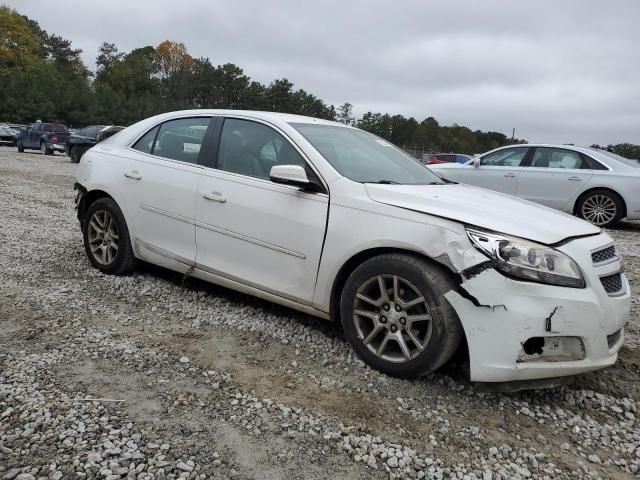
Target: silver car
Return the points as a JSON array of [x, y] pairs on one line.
[[596, 185]]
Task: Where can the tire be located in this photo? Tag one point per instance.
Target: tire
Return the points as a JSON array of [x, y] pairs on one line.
[[44, 150], [601, 207], [20, 147], [100, 248], [75, 154], [436, 326]]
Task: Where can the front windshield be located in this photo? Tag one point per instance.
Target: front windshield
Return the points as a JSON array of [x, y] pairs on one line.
[[365, 158]]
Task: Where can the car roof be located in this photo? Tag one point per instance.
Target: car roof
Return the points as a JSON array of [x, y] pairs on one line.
[[269, 116]]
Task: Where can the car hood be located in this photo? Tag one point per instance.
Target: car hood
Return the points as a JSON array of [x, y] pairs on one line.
[[486, 209]]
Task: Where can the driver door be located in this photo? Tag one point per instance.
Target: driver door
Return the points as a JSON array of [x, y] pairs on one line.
[[252, 230], [498, 171]]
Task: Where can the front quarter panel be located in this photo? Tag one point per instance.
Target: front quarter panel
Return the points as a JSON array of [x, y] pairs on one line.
[[357, 224]]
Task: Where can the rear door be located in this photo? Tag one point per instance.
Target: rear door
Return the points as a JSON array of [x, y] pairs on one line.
[[252, 230], [160, 182], [554, 177], [33, 137], [498, 171]]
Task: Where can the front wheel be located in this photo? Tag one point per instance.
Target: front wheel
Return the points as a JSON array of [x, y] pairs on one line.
[[601, 207], [395, 315], [106, 238]]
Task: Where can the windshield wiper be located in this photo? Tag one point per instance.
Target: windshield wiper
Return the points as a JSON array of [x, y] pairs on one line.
[[385, 182]]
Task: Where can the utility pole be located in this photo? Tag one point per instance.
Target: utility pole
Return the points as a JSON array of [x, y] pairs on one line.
[[513, 134]]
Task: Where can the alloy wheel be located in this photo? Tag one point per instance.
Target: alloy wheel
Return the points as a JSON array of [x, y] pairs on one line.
[[392, 318], [599, 209], [103, 237], [43, 149]]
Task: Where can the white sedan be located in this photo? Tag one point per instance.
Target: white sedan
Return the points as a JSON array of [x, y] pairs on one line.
[[336, 222], [596, 185]]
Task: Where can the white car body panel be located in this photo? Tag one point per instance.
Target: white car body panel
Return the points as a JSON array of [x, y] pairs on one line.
[[558, 188], [288, 246]]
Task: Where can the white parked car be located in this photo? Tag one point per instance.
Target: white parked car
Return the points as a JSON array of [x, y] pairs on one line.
[[596, 185], [336, 222]]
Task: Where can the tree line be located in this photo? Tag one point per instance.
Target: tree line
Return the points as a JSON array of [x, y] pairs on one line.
[[43, 77]]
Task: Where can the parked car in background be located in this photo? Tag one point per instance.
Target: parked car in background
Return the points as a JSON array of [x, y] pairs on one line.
[[46, 137], [82, 140], [596, 185], [336, 222], [7, 135], [435, 158]]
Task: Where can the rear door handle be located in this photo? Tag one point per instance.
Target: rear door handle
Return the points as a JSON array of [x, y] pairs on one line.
[[575, 179], [215, 197], [133, 174], [510, 175]]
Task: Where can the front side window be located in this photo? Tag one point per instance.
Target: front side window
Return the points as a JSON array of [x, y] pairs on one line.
[[252, 149], [362, 157], [557, 158], [509, 157]]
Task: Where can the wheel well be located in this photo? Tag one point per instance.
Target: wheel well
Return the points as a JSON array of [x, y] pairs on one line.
[[87, 199], [351, 264], [587, 192]]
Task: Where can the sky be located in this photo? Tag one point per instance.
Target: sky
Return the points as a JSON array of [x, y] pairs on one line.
[[556, 71]]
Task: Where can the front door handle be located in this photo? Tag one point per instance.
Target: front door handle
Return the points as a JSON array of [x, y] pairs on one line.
[[215, 197], [510, 175], [575, 179], [133, 174]]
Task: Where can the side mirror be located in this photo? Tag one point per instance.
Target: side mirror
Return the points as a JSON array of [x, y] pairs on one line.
[[476, 162], [290, 175]]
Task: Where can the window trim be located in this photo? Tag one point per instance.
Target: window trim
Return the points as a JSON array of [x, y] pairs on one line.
[[274, 127], [213, 119]]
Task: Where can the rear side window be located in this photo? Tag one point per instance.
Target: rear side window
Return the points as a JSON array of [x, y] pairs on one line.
[[145, 143], [181, 139], [557, 158]]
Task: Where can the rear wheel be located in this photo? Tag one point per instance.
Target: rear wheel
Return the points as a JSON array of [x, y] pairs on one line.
[[106, 238], [601, 207], [44, 150], [396, 318]]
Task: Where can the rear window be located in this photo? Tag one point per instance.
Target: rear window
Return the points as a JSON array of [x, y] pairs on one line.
[[56, 128]]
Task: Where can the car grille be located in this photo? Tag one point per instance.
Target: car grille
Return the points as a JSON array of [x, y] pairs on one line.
[[613, 338], [604, 255], [612, 283]]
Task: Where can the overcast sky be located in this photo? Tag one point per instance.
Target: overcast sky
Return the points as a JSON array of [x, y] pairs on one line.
[[556, 71]]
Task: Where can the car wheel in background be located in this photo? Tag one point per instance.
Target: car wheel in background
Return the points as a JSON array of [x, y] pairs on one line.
[[20, 147], [396, 318], [106, 238], [44, 150], [601, 207], [75, 154]]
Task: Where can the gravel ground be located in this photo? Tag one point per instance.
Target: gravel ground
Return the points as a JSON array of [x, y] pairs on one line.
[[155, 376]]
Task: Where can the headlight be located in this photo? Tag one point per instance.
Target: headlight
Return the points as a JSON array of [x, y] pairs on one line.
[[527, 260]]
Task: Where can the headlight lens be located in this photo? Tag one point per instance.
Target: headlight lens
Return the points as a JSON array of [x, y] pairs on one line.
[[527, 260]]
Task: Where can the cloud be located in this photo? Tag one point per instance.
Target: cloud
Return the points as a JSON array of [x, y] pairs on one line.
[[556, 71]]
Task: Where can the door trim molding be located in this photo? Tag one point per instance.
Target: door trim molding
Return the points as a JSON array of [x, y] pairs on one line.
[[218, 278], [223, 231]]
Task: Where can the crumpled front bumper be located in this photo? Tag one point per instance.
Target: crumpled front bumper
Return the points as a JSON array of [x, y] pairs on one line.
[[499, 315]]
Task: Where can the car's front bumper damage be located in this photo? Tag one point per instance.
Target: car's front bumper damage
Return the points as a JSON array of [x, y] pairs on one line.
[[521, 331]]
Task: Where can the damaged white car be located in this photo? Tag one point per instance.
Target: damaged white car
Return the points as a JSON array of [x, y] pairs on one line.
[[336, 222]]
